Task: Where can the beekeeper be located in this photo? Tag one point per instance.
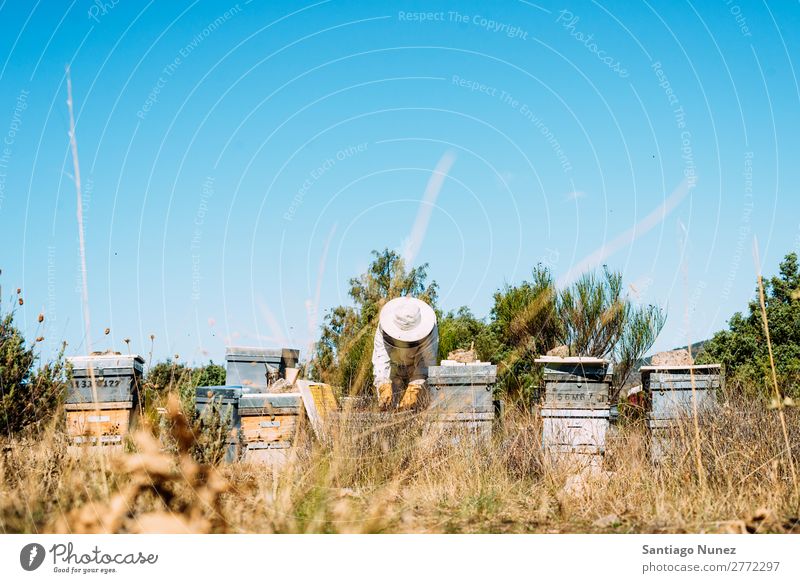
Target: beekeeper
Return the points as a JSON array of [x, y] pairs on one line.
[[406, 344]]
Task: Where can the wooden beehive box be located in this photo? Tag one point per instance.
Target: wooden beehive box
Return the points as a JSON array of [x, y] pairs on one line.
[[225, 400], [102, 398], [460, 398], [270, 423], [671, 398], [576, 409], [248, 366]]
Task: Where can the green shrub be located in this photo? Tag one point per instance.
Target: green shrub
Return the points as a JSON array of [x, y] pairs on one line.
[[29, 397]]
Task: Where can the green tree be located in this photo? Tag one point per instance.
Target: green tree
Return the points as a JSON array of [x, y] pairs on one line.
[[461, 329], [523, 326], [175, 377], [597, 320], [210, 375], [742, 348], [343, 354], [29, 398]]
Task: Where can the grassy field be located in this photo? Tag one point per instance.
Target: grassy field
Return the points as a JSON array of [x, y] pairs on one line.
[[395, 476]]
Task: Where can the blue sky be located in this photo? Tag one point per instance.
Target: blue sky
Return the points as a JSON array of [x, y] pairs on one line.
[[241, 160]]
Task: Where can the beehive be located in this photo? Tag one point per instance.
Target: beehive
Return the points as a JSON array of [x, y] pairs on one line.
[[225, 398], [671, 398], [270, 423], [103, 397], [576, 409], [249, 366], [460, 399]]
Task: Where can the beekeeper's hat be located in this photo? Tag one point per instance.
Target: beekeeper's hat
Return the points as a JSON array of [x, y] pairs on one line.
[[407, 319]]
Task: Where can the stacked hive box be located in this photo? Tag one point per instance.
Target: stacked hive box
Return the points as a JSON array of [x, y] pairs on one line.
[[576, 409], [670, 398], [270, 424], [103, 397], [460, 398], [225, 399], [251, 367]]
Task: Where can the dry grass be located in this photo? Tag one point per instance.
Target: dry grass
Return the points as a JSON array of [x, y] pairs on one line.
[[393, 475]]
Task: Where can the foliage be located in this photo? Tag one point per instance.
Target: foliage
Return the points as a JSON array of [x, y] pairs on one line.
[[168, 377], [461, 329], [524, 326], [343, 354], [162, 377], [211, 375], [598, 321], [591, 317], [742, 348], [212, 431], [28, 397]]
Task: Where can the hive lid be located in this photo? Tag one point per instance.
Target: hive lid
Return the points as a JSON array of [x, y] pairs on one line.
[[259, 352], [460, 373], [106, 361], [680, 367], [275, 400], [224, 391], [571, 360]]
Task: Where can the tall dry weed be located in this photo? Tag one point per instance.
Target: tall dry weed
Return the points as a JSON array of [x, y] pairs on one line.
[[378, 473]]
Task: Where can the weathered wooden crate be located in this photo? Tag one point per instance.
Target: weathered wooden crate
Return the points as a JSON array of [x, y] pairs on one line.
[[672, 398], [320, 403], [461, 399], [576, 410], [575, 437], [116, 378], [248, 366], [226, 399], [101, 424], [575, 383], [102, 398], [270, 423]]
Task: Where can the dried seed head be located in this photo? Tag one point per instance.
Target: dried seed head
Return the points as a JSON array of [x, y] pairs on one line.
[[41, 318], [177, 356], [21, 302], [19, 290], [126, 340], [152, 337], [39, 338], [107, 330]]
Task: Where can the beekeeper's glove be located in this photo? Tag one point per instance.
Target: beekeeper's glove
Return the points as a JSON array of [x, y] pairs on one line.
[[414, 397], [385, 395]]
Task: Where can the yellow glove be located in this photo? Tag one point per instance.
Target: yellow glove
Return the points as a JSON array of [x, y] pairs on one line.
[[413, 397], [385, 395]]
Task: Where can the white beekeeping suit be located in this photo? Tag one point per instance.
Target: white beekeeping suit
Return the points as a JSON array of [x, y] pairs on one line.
[[406, 344]]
